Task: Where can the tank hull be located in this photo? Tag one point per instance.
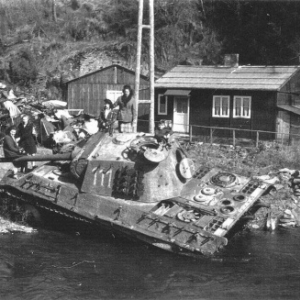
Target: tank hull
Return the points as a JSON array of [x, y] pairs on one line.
[[178, 224]]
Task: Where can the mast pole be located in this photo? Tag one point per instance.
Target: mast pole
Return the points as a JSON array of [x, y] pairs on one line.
[[138, 61], [151, 62]]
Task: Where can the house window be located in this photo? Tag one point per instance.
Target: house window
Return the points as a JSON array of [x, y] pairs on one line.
[[113, 95], [162, 104], [220, 107], [242, 107]]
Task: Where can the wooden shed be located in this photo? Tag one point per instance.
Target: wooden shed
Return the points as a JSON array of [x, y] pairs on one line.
[[88, 91], [245, 97]]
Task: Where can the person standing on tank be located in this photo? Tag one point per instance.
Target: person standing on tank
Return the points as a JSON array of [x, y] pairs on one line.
[[107, 117], [27, 140], [127, 113]]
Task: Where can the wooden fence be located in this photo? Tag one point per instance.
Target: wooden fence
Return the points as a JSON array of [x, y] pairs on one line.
[[282, 138], [257, 136]]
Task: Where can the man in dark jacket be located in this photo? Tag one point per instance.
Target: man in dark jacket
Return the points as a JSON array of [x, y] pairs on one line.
[[27, 140], [127, 112], [11, 149]]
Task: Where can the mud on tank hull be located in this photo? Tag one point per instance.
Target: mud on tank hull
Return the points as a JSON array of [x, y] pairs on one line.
[[162, 201]]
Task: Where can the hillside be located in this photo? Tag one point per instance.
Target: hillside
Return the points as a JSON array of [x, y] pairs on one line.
[[44, 43]]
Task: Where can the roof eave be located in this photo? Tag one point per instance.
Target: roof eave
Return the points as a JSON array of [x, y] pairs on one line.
[[275, 89]]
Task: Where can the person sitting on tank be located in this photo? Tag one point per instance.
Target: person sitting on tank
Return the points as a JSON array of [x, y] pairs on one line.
[[27, 139], [107, 117], [127, 113], [79, 132], [163, 132], [12, 150]]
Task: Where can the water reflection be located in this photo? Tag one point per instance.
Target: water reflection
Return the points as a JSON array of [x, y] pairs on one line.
[[64, 264]]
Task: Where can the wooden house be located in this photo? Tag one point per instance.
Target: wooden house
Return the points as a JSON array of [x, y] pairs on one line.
[[88, 91], [244, 97]]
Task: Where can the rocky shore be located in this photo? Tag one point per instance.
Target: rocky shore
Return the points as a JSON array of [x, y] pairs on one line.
[[270, 162]]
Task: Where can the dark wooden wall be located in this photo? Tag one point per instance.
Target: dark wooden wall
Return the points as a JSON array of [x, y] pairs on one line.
[[295, 128], [89, 91], [289, 94], [263, 112]]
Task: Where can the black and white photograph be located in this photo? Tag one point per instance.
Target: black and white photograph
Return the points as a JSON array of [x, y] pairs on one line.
[[149, 149]]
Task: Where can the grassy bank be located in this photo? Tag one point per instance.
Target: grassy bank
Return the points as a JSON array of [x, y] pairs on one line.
[[246, 161]]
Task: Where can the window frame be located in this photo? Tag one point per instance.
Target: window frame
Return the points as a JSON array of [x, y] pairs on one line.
[[159, 112], [213, 106], [242, 105]]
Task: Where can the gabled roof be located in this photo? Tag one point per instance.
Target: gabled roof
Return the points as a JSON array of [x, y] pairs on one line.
[[270, 78], [105, 68]]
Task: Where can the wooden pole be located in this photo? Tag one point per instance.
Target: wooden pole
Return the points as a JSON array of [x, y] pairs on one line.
[[151, 63], [138, 62], [233, 137]]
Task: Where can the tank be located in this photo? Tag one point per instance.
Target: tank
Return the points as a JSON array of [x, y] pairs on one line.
[[150, 191]]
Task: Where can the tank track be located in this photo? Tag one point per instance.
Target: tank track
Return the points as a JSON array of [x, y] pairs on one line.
[[53, 209]]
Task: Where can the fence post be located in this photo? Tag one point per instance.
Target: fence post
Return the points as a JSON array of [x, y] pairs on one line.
[[257, 138], [233, 137], [211, 137], [191, 133]]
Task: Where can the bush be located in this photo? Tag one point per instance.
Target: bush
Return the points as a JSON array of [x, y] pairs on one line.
[[23, 67]]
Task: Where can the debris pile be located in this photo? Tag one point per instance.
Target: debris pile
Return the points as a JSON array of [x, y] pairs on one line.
[[283, 198], [54, 126], [290, 218]]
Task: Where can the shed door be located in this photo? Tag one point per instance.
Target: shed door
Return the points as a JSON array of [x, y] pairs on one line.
[[181, 114], [283, 125]]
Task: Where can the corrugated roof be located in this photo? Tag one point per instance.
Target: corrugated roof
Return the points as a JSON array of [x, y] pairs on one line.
[[270, 78]]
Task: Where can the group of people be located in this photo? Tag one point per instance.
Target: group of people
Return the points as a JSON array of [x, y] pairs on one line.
[[20, 141], [121, 115], [125, 114]]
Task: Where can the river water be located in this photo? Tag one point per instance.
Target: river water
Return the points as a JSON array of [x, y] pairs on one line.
[[67, 262]]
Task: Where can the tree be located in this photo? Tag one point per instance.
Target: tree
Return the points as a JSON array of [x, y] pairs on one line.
[[23, 67]]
